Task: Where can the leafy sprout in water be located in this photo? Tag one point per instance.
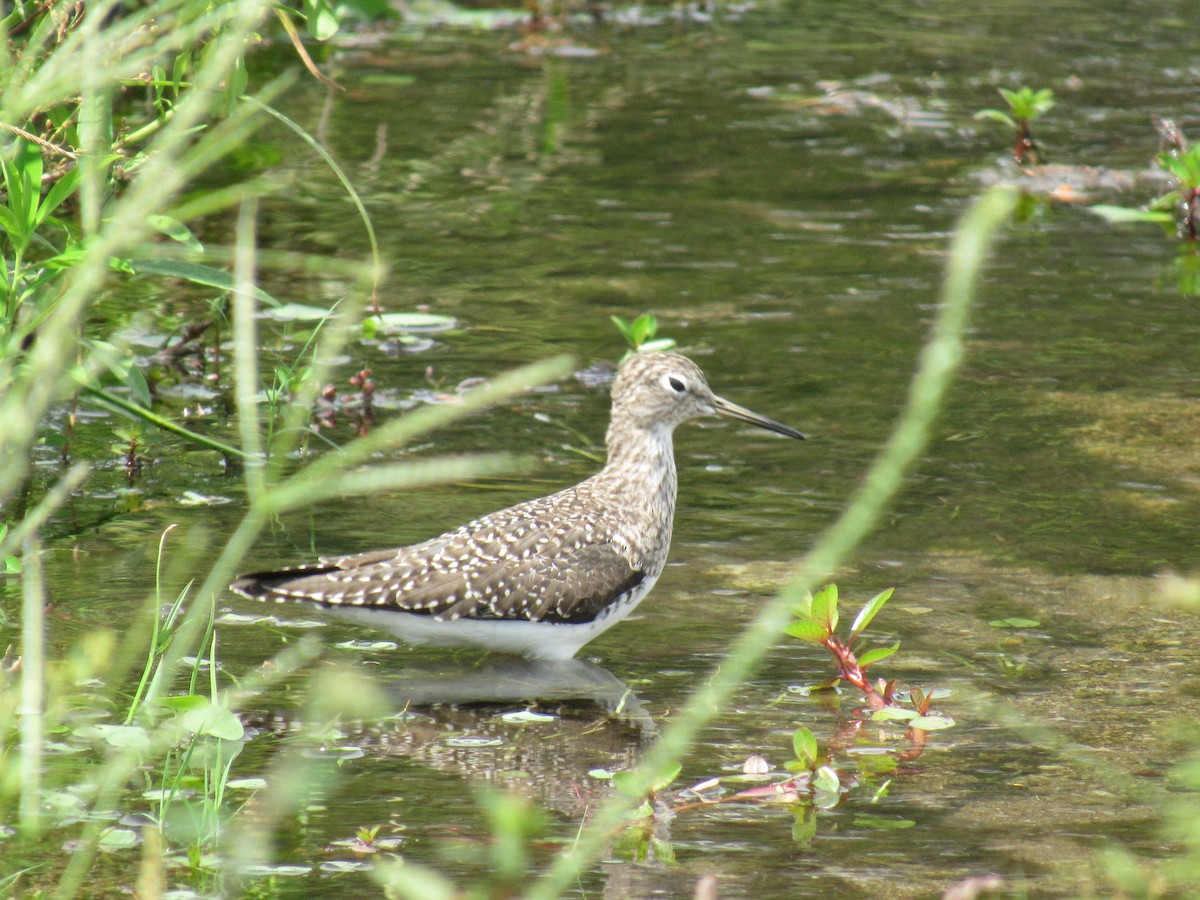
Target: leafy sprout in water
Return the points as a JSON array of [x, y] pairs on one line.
[[1024, 106], [1177, 210], [640, 334]]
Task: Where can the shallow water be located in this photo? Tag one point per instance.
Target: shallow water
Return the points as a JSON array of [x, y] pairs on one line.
[[778, 186]]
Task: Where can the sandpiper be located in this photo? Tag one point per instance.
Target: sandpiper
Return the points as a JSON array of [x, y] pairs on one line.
[[546, 576]]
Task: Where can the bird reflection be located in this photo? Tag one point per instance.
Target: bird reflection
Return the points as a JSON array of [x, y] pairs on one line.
[[537, 727]]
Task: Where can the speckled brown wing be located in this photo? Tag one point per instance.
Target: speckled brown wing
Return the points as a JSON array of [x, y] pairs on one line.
[[505, 566]]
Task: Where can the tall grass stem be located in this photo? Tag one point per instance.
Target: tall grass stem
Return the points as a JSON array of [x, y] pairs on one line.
[[938, 361]]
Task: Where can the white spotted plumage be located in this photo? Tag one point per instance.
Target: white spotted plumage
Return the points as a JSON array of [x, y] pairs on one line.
[[544, 577]]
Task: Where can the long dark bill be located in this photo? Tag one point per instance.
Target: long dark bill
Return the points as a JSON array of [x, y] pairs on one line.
[[725, 408]]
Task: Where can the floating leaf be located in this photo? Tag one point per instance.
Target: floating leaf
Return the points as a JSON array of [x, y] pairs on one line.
[[131, 737], [931, 723], [117, 839], [527, 715], [400, 322], [300, 312], [893, 713], [371, 646], [213, 720], [1014, 622], [185, 702], [753, 765], [474, 742]]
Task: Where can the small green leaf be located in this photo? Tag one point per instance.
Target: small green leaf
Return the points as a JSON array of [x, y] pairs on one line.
[[826, 779], [185, 702], [994, 115], [873, 656], [643, 329], [117, 839], [894, 713], [213, 720], [321, 20], [807, 631], [625, 782], [176, 231], [195, 273], [664, 781], [623, 327], [63, 188], [873, 606], [824, 608], [130, 737], [804, 743], [136, 382]]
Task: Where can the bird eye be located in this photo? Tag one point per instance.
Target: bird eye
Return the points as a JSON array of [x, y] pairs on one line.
[[676, 384]]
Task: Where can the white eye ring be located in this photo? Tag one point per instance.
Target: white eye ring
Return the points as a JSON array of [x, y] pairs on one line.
[[674, 384]]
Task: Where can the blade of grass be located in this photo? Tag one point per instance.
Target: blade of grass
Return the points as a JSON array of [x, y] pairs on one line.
[[938, 361], [245, 365], [346, 184], [33, 687], [133, 410]]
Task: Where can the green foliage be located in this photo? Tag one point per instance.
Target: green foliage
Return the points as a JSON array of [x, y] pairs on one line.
[[12, 563], [1024, 106], [1177, 210], [804, 744], [640, 334], [817, 615]]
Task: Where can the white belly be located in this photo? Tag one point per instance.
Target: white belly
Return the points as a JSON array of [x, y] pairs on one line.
[[536, 640]]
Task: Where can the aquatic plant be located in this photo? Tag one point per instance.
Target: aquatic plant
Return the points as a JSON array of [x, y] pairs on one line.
[[1024, 107], [640, 334], [1177, 210]]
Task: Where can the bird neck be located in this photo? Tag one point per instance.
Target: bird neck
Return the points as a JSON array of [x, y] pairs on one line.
[[643, 456]]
